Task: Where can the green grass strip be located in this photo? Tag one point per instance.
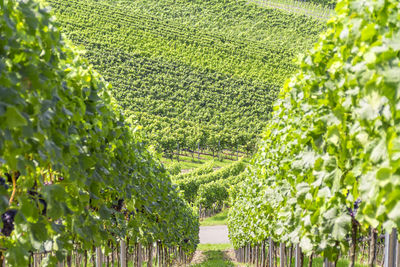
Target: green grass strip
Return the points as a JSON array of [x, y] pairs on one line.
[[218, 219]]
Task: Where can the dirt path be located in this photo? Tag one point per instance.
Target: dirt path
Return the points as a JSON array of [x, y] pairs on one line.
[[198, 257], [217, 234], [230, 255], [221, 258]]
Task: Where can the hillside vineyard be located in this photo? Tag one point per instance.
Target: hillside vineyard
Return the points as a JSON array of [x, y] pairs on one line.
[[213, 66], [298, 102]]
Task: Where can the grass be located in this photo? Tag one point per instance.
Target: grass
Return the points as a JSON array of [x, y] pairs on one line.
[[184, 165], [187, 162], [318, 262], [211, 247], [218, 219], [215, 258], [341, 263]]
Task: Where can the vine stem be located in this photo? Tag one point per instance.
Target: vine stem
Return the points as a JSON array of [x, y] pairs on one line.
[[353, 249], [14, 188], [372, 248]]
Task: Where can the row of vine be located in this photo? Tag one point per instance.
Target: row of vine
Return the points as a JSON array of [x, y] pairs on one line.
[[202, 72], [328, 165], [74, 173]]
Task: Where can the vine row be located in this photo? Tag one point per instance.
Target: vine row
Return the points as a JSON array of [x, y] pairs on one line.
[[74, 174], [327, 168]]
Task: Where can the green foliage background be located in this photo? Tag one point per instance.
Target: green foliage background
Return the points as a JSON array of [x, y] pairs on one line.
[[194, 72]]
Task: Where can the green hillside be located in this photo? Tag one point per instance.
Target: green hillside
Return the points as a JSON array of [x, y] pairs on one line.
[[215, 64]]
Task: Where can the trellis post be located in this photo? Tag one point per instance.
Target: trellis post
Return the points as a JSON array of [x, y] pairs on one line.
[[123, 253], [327, 263], [99, 257], [178, 152], [398, 253], [282, 254], [391, 249], [297, 258], [270, 251]]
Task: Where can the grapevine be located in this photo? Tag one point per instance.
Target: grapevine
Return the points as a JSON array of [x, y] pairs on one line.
[[327, 163], [74, 174], [191, 78]]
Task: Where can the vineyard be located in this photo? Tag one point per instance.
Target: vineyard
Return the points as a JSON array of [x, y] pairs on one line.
[[209, 189], [76, 179], [324, 183], [208, 70], [95, 93]]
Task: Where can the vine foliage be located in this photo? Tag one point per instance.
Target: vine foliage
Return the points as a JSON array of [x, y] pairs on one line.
[[329, 158], [73, 173]]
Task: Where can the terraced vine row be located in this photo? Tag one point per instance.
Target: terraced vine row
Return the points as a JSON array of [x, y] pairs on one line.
[[172, 134], [190, 184], [213, 188], [74, 174], [212, 64], [327, 168], [215, 195], [204, 170]]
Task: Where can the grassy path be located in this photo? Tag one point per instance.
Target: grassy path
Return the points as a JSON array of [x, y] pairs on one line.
[[218, 219], [210, 255], [188, 163], [215, 258], [215, 255], [222, 258]]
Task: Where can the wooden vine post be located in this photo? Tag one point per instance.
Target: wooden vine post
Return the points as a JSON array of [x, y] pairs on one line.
[[157, 261], [353, 249], [391, 249], [372, 248], [99, 257], [282, 254], [150, 256], [297, 256], [198, 151], [219, 149], [328, 263], [263, 261], [123, 253], [178, 152], [310, 260], [398, 252], [139, 255], [271, 251]]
